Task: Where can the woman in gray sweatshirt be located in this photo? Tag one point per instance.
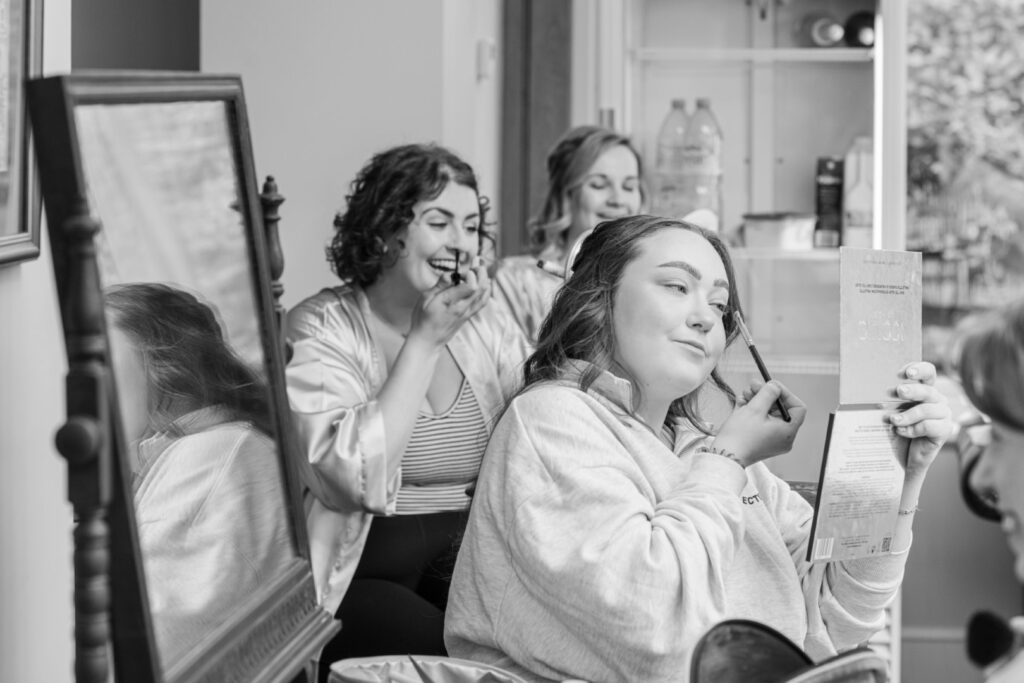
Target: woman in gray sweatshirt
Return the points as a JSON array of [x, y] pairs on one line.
[[611, 527]]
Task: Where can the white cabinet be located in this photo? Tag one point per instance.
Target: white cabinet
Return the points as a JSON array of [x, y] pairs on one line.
[[781, 106]]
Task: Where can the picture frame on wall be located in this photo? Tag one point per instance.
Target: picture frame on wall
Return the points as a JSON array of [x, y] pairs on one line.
[[20, 60]]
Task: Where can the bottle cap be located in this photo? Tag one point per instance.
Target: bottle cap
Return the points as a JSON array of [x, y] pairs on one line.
[[679, 103], [703, 102]]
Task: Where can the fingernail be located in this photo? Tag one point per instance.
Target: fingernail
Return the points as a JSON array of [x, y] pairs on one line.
[[911, 372], [896, 419], [903, 390]]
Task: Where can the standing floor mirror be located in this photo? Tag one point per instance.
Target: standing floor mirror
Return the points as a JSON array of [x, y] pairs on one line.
[[183, 470]]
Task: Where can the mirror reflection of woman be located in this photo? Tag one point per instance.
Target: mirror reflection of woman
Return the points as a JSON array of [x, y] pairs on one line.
[[208, 490], [594, 175], [603, 551], [396, 379], [992, 370]]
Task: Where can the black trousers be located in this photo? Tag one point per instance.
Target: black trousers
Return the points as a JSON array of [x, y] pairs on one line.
[[396, 602]]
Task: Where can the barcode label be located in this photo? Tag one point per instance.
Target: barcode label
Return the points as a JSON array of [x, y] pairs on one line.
[[887, 544], [823, 548]]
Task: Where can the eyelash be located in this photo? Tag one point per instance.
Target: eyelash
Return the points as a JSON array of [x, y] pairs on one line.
[[442, 226], [598, 185], [722, 308]]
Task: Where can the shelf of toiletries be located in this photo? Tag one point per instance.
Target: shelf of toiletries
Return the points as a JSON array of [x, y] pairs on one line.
[[835, 29], [781, 104], [667, 55]]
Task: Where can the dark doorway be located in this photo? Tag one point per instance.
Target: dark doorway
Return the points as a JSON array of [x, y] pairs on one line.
[[135, 34], [536, 96]]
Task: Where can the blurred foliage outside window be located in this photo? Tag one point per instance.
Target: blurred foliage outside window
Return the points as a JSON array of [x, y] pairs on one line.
[[965, 137]]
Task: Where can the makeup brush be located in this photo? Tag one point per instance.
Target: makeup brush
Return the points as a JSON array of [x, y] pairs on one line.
[[745, 333]]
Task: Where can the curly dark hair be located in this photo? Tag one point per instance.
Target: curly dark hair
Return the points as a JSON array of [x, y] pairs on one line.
[[187, 361], [579, 325], [380, 205], [568, 163]]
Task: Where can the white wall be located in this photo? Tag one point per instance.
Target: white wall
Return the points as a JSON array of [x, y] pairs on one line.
[[471, 68], [330, 85], [36, 617]]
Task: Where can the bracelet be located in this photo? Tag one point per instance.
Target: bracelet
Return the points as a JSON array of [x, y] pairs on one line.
[[722, 452], [903, 513]]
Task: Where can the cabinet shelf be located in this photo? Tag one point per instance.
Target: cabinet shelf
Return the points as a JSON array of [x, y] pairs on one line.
[[767, 254], [755, 55], [783, 365]]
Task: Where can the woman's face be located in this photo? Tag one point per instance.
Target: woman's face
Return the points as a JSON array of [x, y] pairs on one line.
[[668, 314], [610, 189], [443, 230], [1000, 470], [132, 384]]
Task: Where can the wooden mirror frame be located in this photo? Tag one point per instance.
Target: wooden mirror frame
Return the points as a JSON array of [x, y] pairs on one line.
[[277, 635]]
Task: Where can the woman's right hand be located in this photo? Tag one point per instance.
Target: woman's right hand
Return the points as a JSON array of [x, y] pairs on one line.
[[755, 431], [443, 310]]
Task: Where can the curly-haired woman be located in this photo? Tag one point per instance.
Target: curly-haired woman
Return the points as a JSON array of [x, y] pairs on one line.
[[396, 380]]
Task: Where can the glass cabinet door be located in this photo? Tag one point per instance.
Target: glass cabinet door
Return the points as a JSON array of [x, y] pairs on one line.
[[782, 102]]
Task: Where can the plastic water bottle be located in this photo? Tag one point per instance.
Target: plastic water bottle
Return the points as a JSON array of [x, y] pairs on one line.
[[668, 199], [702, 164]]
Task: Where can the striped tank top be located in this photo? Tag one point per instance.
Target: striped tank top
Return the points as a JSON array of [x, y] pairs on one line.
[[443, 457]]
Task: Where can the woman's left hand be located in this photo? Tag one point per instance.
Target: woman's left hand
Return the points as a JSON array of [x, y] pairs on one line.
[[927, 422]]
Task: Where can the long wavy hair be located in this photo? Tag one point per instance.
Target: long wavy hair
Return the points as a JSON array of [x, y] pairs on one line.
[[188, 363], [579, 326], [992, 365], [380, 205], [568, 164]]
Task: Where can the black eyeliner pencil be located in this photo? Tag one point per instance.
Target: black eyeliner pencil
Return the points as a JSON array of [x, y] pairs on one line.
[[745, 333], [457, 276]]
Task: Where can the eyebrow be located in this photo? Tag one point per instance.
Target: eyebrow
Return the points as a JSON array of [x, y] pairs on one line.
[[447, 213], [606, 177], [683, 265]]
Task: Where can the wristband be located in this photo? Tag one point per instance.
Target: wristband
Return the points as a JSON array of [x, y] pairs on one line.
[[904, 513], [722, 452]]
